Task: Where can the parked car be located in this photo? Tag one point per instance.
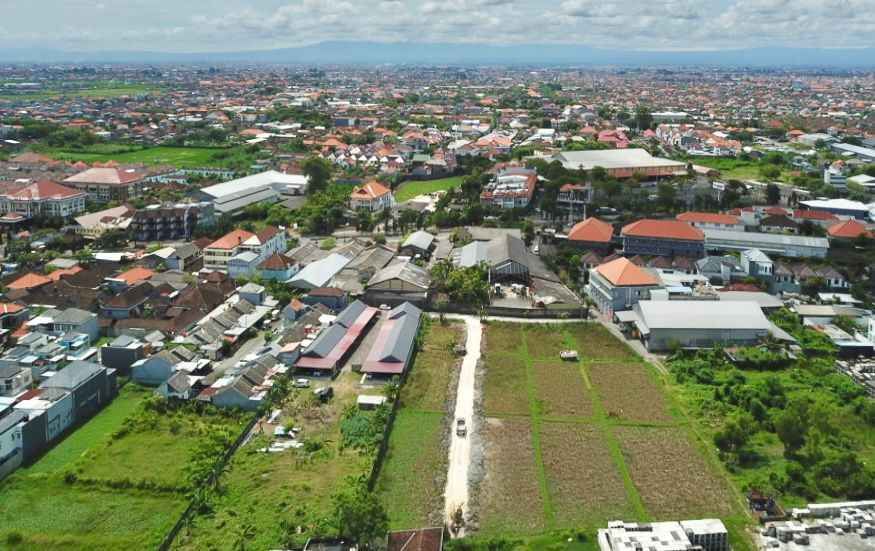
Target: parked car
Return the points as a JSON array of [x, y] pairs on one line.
[[461, 427], [301, 383], [324, 393]]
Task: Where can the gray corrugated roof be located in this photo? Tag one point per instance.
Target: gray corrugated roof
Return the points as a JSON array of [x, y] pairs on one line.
[[422, 240], [701, 314], [399, 344], [349, 314], [765, 238], [507, 248], [76, 373], [404, 271], [318, 273], [325, 341], [74, 315]]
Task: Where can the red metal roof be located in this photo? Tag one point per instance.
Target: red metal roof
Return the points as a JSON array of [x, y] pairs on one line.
[[352, 335]]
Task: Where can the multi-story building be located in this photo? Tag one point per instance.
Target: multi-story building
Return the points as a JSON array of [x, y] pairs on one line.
[[170, 222], [42, 198], [712, 220], [619, 284], [93, 225], [372, 196], [266, 242], [109, 184], [663, 238], [573, 198], [512, 188]]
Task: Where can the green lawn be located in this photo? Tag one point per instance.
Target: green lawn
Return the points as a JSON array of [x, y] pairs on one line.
[[181, 157], [410, 189], [118, 482], [413, 473], [108, 91], [574, 439]]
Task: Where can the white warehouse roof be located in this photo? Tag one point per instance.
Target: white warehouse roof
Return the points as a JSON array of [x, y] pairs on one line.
[[701, 314], [270, 178]]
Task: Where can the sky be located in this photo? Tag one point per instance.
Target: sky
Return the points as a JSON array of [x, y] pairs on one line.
[[238, 25]]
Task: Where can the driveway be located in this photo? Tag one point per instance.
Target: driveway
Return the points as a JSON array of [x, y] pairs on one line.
[[456, 493]]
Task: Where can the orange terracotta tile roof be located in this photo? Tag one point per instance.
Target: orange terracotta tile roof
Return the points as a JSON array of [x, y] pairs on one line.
[[29, 281], [58, 274], [667, 229], [135, 275], [592, 229], [622, 272], [10, 308], [371, 190], [707, 218], [849, 229], [231, 240]]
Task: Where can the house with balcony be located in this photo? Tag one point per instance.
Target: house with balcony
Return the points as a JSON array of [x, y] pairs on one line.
[[43, 198], [266, 242], [619, 284], [372, 196], [512, 188], [105, 184]]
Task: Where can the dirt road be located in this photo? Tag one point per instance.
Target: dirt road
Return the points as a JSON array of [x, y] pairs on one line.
[[456, 493]]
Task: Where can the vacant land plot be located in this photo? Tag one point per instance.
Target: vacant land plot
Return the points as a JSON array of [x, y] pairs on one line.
[[587, 489], [594, 342], [674, 481], [545, 341], [560, 390], [504, 338], [108, 91], [629, 392], [413, 474], [576, 444], [428, 384], [414, 471], [410, 189], [511, 500], [117, 482], [506, 386], [181, 157]]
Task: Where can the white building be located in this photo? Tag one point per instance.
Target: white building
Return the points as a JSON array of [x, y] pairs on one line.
[[237, 194], [686, 535], [372, 196], [42, 198]]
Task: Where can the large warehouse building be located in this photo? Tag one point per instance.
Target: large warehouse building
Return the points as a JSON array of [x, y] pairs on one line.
[[793, 246], [235, 195], [621, 163], [665, 324]]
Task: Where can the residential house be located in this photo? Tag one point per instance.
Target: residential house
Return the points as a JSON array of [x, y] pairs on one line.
[[319, 273], [848, 230], [756, 263], [619, 284], [372, 196], [720, 270], [122, 352], [179, 386], [779, 223], [14, 379], [419, 243], [711, 220], [277, 267], [266, 242], [573, 198], [663, 238], [506, 257], [330, 297]]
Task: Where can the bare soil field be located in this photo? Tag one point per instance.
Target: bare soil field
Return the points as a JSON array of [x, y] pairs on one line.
[[511, 497], [629, 392], [581, 475], [674, 481], [561, 391]]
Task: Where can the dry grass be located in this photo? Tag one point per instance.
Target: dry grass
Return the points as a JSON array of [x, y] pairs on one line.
[[671, 476], [560, 390], [505, 388], [427, 386], [504, 338], [544, 341], [584, 483], [629, 392], [594, 342], [510, 495]]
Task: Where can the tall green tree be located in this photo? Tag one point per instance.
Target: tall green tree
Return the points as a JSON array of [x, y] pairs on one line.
[[318, 171]]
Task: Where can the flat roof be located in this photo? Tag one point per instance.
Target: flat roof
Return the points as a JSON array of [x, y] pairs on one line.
[[262, 179], [765, 238], [614, 158]]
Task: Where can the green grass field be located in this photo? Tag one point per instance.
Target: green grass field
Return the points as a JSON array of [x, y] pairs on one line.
[[181, 157], [415, 467], [107, 91], [116, 482], [587, 442], [410, 189]]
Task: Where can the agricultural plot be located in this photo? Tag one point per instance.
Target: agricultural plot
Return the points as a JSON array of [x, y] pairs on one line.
[[512, 501], [594, 342], [589, 488], [560, 390], [576, 444], [413, 473], [629, 392], [672, 477], [120, 480], [181, 157]]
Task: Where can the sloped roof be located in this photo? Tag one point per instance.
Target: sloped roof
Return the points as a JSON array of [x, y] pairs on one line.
[[231, 240], [43, 190], [623, 272], [370, 191], [276, 262], [593, 230], [404, 271], [391, 351], [111, 176], [707, 218], [420, 239], [29, 281], [665, 229], [72, 376], [849, 229]]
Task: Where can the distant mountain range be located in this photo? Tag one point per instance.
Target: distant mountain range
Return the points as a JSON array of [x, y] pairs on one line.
[[413, 53]]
